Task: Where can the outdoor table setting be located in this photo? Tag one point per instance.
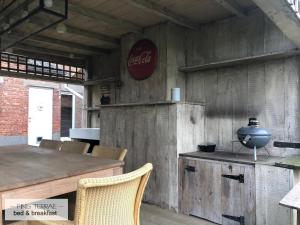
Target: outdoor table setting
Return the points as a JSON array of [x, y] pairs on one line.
[[28, 172]]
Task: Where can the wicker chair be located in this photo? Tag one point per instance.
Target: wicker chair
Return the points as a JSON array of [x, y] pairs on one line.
[[50, 144], [75, 147], [108, 201], [109, 153]]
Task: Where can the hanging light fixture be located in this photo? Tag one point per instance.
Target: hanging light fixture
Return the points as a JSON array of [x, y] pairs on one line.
[[20, 19]]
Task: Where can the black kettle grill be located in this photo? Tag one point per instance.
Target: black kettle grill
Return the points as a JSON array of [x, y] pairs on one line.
[[253, 136]]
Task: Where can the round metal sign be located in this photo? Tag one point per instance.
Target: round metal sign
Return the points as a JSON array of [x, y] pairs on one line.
[[142, 59]]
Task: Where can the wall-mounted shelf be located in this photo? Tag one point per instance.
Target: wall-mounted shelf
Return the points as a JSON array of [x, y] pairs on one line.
[[150, 103], [100, 81], [91, 108], [234, 62]]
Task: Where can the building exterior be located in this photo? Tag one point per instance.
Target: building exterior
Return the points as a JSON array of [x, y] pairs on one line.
[[16, 105]]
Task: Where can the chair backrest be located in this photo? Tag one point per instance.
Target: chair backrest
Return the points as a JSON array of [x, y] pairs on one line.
[[75, 147], [50, 144], [112, 200], [109, 153]]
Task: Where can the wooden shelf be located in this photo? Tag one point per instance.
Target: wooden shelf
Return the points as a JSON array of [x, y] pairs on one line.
[[245, 60], [91, 108], [100, 81], [150, 103]]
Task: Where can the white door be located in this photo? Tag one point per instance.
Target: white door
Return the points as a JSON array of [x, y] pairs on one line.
[[39, 115]]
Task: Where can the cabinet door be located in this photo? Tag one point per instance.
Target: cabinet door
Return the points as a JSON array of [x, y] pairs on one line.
[[200, 185], [238, 194]]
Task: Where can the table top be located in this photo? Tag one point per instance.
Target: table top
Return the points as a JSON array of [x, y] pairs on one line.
[[292, 199], [23, 165]]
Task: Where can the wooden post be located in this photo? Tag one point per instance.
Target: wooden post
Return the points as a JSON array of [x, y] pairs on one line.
[[1, 219]]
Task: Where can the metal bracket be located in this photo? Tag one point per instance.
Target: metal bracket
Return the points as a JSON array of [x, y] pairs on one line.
[[240, 219], [239, 177], [190, 169]]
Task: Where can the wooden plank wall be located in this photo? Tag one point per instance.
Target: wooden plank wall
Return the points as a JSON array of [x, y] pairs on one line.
[[154, 88], [268, 91], [156, 134], [269, 193], [175, 59], [104, 66]]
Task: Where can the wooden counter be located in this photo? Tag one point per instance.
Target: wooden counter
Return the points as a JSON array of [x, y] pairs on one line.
[[234, 157], [219, 185]]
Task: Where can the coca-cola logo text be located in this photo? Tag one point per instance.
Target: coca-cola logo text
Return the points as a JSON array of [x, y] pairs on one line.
[[142, 59]]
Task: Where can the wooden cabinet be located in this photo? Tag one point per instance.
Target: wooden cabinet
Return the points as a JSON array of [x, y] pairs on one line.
[[238, 194], [201, 189], [221, 192]]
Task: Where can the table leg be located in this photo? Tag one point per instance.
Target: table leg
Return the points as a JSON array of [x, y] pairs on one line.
[[298, 217]]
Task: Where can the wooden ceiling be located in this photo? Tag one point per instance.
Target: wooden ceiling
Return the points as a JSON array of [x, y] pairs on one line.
[[95, 26]]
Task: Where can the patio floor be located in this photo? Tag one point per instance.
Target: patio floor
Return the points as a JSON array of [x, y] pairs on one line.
[[153, 215]]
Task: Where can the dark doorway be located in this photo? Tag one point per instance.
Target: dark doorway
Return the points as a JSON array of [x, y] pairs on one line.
[[66, 115]]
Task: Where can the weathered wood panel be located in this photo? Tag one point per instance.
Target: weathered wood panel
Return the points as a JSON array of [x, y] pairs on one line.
[[224, 108], [154, 88], [268, 91], [238, 199], [292, 109], [234, 38], [272, 184], [239, 102], [200, 191], [204, 193], [175, 59], [156, 134], [189, 118], [211, 129]]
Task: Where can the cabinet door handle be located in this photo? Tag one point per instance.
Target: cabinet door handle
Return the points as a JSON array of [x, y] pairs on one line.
[[190, 169], [240, 219], [239, 177]]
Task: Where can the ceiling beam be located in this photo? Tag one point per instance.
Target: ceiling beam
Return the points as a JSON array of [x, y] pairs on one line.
[[114, 42], [103, 18], [71, 45], [153, 7], [39, 77], [282, 14], [232, 7], [51, 58], [46, 51]]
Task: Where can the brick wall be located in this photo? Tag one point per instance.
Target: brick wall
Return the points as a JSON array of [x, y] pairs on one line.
[[56, 110], [14, 105], [14, 108]]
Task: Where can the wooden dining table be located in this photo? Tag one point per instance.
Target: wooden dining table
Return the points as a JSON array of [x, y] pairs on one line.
[[28, 172]]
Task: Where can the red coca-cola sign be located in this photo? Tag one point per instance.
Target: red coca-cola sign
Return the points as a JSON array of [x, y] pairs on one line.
[[142, 59]]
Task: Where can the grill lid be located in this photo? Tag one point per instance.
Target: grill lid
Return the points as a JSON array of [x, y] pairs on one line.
[[253, 131], [253, 136]]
